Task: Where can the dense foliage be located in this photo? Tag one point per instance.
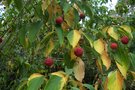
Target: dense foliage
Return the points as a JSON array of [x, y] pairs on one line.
[[67, 45]]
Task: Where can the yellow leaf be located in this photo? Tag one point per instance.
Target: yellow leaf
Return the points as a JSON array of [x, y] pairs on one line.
[[45, 4], [35, 75], [106, 59], [77, 8], [99, 46], [80, 85], [62, 75], [74, 37], [133, 74], [79, 69], [64, 26], [69, 17], [96, 85], [63, 80], [73, 56], [127, 29], [99, 66], [57, 9], [115, 81], [26, 42], [105, 29], [112, 33], [49, 48], [54, 9], [105, 84], [122, 69]]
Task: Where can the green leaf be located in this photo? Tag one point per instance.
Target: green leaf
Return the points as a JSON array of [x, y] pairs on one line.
[[66, 7], [67, 60], [38, 10], [35, 83], [33, 29], [89, 10], [122, 60], [18, 4], [59, 32], [54, 83], [90, 87], [68, 71], [88, 38], [74, 88], [22, 34], [8, 2], [46, 38], [22, 85], [77, 17], [132, 60]]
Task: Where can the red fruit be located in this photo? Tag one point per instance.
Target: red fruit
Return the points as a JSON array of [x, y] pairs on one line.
[[113, 45], [82, 16], [78, 51], [124, 40], [48, 61], [1, 40], [59, 20]]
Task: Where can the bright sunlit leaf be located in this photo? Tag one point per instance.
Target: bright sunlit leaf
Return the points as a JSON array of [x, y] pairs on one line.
[[112, 33], [127, 29], [74, 37], [105, 29], [99, 46], [115, 81], [123, 69], [106, 60]]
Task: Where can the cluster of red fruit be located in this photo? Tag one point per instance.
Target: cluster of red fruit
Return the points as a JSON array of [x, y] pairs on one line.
[[78, 51], [59, 19], [124, 40]]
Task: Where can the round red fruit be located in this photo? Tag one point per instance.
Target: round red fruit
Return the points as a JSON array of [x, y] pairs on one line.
[[113, 45], [78, 51], [125, 40], [48, 61], [59, 20], [82, 15]]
